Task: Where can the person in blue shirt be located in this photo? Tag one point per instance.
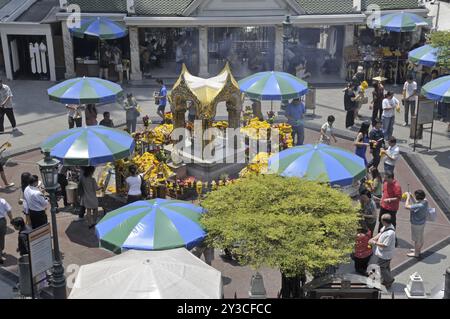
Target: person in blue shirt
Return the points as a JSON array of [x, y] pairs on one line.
[[162, 98], [418, 206], [295, 113]]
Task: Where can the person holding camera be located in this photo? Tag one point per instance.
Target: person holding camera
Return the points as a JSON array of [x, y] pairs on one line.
[[36, 203], [418, 206]]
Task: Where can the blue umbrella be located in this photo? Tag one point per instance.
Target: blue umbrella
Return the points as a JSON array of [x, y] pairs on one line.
[[273, 86], [399, 22], [99, 27], [89, 146], [438, 89], [156, 224], [85, 90], [425, 55], [320, 162]]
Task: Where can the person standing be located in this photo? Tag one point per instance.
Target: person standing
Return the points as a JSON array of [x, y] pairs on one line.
[[107, 120], [4, 179], [36, 203], [130, 105], [363, 252], [74, 115], [161, 99], [25, 179], [418, 207], [295, 112], [368, 209], [23, 229], [376, 186], [350, 106], [377, 101], [384, 244], [117, 60], [87, 189], [362, 141], [179, 56], [359, 76], [326, 131], [5, 210], [134, 185], [390, 199], [91, 115], [390, 104], [409, 98], [376, 138], [392, 154], [6, 107], [105, 60]]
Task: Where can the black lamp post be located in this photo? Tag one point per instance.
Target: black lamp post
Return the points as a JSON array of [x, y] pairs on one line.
[[287, 31], [49, 172]]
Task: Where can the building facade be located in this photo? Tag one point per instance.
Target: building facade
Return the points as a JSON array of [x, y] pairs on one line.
[[204, 34]]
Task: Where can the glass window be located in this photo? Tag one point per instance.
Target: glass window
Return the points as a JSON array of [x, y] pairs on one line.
[[164, 50], [315, 54], [248, 49]]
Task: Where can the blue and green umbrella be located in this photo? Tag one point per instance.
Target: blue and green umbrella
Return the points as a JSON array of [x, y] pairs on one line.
[[319, 162], [425, 55], [156, 224], [438, 90], [273, 86], [89, 146], [399, 22], [85, 90], [99, 27]]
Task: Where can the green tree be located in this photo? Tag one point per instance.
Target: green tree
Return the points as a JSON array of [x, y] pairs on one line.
[[286, 223], [441, 40]]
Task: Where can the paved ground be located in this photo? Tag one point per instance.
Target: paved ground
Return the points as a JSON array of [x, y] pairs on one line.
[[79, 245], [38, 118]]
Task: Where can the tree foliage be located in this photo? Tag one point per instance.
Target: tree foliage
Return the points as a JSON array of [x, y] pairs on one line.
[[286, 223], [441, 40]]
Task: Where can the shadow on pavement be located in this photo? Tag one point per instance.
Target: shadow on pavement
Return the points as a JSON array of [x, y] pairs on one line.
[[9, 260], [443, 159], [79, 233], [226, 280], [435, 258]]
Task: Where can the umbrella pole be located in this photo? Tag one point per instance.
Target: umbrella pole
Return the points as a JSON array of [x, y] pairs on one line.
[[271, 105]]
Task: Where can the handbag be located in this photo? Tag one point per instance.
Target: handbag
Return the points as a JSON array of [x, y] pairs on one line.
[[365, 100]]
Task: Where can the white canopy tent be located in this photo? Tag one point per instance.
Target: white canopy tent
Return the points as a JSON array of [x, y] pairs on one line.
[[167, 274]]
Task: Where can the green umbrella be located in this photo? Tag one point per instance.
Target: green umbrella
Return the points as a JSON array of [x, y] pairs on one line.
[[156, 224], [85, 90], [101, 28]]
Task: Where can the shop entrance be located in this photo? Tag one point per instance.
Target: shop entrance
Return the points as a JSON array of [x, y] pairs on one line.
[[315, 54], [164, 50], [29, 57]]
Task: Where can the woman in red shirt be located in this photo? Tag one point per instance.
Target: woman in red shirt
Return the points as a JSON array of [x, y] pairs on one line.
[[363, 251]]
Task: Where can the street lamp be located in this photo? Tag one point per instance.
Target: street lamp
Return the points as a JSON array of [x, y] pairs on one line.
[[49, 172]]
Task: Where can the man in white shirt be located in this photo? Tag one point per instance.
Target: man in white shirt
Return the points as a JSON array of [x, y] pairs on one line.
[[409, 98], [392, 154], [36, 203], [6, 106], [390, 104], [385, 246], [5, 210]]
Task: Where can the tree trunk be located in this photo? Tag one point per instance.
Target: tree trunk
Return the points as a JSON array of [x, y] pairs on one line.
[[291, 287]]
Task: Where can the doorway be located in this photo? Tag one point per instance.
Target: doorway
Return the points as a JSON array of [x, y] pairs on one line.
[[29, 57]]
